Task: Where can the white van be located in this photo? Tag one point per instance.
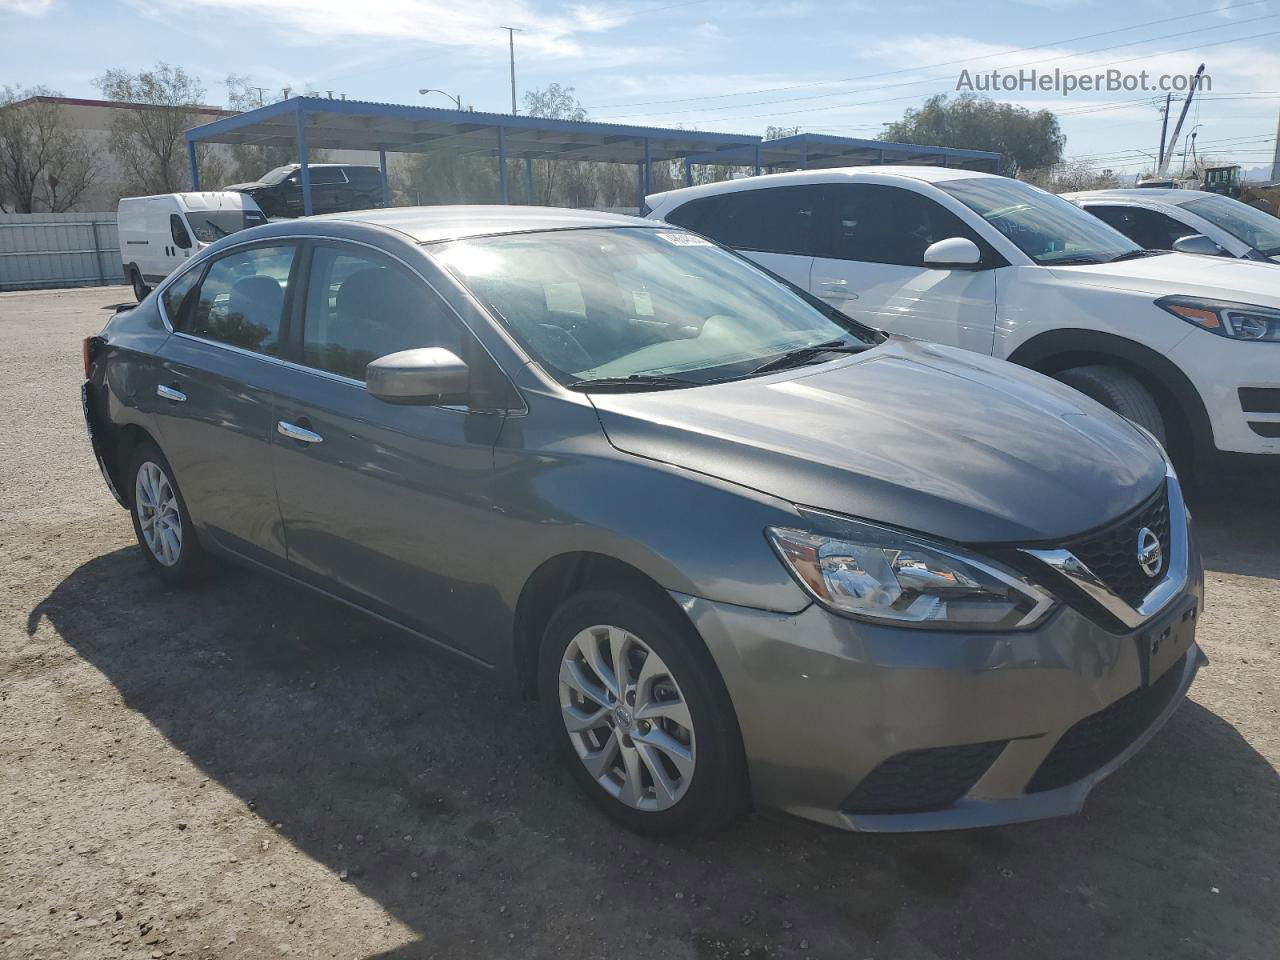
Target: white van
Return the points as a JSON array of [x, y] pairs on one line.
[[159, 234], [1184, 345]]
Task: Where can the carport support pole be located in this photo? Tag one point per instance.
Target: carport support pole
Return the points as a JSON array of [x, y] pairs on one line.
[[528, 178], [645, 174], [757, 166], [688, 173], [502, 164], [195, 167], [804, 156], [301, 136], [386, 185]]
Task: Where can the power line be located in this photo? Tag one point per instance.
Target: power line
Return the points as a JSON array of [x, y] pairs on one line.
[[940, 80], [1017, 66], [944, 63]]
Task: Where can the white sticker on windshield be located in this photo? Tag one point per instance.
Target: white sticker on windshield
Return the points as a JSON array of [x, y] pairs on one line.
[[686, 239]]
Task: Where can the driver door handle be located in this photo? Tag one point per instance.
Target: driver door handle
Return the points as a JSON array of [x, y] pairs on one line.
[[295, 432], [834, 288], [170, 393]]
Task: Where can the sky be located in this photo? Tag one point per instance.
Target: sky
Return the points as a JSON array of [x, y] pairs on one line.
[[844, 67]]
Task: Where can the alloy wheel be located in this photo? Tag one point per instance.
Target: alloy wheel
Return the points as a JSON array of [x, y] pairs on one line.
[[158, 514], [627, 718]]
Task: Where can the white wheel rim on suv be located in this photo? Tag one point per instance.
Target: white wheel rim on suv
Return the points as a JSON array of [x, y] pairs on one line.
[[627, 718], [158, 515]]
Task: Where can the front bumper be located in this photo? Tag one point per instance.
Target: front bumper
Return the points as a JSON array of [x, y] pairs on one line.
[[825, 702], [1219, 368]]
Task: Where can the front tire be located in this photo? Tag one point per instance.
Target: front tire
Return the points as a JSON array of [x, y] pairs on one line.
[[1120, 392], [639, 712], [160, 518]]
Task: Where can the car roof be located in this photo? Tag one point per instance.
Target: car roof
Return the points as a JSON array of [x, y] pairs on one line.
[[826, 175], [454, 222], [1156, 194]]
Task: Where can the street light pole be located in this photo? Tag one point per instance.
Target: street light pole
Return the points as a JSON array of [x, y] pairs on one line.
[[457, 100], [511, 42]]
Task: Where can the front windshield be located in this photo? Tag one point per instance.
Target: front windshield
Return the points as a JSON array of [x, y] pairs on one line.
[[1258, 229], [606, 304], [211, 225], [273, 177], [1048, 229]]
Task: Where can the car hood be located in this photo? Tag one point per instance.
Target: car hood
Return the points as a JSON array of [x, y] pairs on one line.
[[242, 187], [1218, 278], [914, 435]]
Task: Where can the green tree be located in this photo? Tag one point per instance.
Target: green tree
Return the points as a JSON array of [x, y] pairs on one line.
[[148, 143], [1028, 140], [43, 165]]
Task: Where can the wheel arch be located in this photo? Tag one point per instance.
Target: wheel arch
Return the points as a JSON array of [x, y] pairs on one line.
[[1058, 350], [127, 439], [554, 581]]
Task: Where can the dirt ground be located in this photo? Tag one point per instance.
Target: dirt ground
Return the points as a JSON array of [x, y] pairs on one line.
[[247, 771]]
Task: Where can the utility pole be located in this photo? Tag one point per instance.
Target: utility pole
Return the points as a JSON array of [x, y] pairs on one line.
[[1275, 164], [1195, 84], [1164, 126], [511, 42]]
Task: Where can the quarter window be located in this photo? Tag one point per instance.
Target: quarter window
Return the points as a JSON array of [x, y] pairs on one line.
[[241, 300], [177, 294], [872, 223], [361, 307]]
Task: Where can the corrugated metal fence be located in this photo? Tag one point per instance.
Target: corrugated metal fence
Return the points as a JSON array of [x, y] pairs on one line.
[[58, 250]]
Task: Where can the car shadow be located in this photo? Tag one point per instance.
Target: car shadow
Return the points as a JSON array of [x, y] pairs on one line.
[[1238, 516], [332, 727]]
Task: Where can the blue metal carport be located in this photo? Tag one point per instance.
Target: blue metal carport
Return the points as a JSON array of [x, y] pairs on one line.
[[318, 122], [812, 151]]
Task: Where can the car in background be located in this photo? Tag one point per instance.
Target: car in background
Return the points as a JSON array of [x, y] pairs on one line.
[[159, 234], [1186, 346], [1191, 221], [334, 187], [737, 544]]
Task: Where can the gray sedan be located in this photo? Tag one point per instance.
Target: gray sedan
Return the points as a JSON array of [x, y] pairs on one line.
[[739, 546]]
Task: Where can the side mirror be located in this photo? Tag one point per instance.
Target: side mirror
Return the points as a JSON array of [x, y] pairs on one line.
[[1198, 243], [426, 375], [953, 253]]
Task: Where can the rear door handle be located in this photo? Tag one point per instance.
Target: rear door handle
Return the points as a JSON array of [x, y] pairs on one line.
[[295, 432], [170, 393]]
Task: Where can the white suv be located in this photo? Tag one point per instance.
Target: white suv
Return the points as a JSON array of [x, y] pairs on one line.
[[1187, 346]]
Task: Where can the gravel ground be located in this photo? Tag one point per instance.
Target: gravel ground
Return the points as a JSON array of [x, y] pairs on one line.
[[246, 771]]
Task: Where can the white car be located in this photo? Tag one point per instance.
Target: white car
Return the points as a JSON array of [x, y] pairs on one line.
[[1186, 346], [1172, 219], [159, 234]]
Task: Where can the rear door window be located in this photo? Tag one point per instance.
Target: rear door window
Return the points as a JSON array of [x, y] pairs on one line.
[[772, 220], [241, 300], [1149, 229]]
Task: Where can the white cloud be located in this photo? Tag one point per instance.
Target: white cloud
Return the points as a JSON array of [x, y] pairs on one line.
[[543, 33], [31, 8]]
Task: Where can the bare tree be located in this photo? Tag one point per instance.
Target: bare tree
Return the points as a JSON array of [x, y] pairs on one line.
[[251, 161], [557, 103], [43, 164], [148, 140]]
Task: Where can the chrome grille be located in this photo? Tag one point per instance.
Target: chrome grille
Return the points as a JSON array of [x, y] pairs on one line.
[[1112, 553]]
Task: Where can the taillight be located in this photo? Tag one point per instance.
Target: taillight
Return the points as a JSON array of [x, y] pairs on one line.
[[88, 351]]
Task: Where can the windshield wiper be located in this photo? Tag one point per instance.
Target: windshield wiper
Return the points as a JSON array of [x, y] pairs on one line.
[[632, 382], [801, 355], [1075, 260], [1137, 255], [221, 230]]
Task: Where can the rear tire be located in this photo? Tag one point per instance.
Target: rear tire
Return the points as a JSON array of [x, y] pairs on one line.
[[1120, 392], [140, 289], [160, 518], [660, 751]]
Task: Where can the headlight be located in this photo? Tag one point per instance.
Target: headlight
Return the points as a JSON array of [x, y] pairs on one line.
[[894, 578], [1236, 321]]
